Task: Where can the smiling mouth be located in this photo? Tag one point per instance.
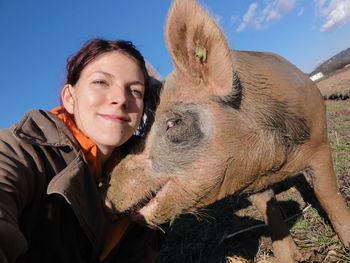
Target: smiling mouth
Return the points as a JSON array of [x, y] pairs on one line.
[[115, 118]]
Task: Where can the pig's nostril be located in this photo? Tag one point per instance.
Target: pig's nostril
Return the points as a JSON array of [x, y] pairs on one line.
[[172, 122]]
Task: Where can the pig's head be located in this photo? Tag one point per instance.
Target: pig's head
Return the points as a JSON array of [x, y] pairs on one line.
[[184, 159]]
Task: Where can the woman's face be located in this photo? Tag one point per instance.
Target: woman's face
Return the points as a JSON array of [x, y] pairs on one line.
[[107, 100]]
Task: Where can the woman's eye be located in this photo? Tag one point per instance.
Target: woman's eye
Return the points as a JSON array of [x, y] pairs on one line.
[[136, 92], [100, 82]]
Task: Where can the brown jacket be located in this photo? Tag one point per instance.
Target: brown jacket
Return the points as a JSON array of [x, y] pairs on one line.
[[51, 209]]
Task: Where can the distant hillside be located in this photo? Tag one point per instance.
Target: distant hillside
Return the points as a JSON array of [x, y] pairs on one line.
[[334, 63], [336, 86]]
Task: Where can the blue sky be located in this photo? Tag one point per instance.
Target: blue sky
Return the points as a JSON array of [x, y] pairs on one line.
[[38, 36]]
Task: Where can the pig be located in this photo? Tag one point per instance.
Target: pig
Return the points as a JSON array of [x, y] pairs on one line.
[[228, 122]]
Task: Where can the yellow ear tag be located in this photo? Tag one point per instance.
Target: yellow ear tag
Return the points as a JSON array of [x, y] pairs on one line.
[[201, 53]]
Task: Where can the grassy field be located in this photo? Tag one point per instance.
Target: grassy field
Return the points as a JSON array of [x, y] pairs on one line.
[[231, 230]]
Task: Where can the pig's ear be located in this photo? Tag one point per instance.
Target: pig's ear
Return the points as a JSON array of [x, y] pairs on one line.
[[198, 48]]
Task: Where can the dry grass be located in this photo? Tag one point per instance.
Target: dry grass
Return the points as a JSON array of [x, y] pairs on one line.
[[336, 85], [203, 241]]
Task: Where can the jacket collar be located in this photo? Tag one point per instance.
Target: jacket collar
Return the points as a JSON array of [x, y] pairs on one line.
[[44, 128]]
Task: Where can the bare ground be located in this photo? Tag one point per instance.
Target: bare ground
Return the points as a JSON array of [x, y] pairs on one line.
[[232, 231]]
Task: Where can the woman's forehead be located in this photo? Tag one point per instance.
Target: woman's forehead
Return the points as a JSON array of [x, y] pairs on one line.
[[114, 63]]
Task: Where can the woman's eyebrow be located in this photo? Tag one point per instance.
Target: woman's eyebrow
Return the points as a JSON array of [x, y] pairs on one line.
[[136, 82], [104, 73]]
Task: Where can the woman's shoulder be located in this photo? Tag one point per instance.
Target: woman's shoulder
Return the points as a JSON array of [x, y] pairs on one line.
[[38, 127]]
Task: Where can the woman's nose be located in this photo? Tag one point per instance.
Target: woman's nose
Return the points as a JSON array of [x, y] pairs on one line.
[[120, 96]]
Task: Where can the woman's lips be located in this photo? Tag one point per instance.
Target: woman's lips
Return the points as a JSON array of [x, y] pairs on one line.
[[115, 118]]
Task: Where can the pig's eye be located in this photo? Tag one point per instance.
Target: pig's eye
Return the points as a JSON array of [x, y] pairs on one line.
[[172, 122]]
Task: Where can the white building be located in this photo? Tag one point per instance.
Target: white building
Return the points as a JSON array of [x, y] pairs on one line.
[[316, 76]]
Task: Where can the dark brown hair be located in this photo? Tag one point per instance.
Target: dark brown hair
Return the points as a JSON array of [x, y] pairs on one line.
[[96, 47]]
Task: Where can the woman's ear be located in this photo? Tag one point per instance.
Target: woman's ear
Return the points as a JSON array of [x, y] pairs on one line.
[[68, 98]]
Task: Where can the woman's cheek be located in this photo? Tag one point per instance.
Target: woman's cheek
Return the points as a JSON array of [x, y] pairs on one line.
[[96, 97]]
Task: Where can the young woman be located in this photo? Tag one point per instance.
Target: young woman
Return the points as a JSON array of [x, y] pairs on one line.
[[54, 165]]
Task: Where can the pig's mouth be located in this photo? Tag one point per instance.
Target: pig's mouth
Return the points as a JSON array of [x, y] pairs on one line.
[[147, 206]]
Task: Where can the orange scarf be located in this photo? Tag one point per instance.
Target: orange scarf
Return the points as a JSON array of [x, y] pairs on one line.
[[116, 228]]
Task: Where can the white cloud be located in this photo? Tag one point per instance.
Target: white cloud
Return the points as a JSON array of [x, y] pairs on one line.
[[336, 13], [248, 17], [259, 19], [320, 3], [301, 11]]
